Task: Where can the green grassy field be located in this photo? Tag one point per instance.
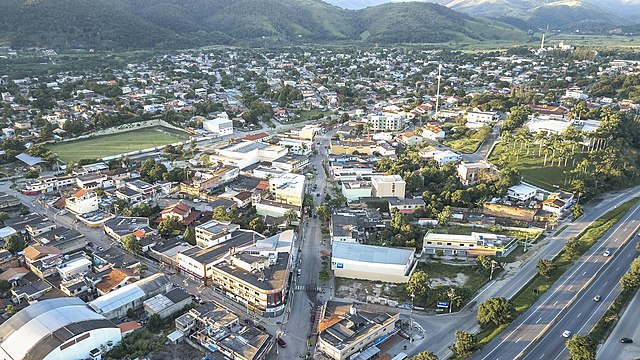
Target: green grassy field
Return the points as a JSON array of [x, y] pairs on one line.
[[108, 145], [465, 146], [531, 167]]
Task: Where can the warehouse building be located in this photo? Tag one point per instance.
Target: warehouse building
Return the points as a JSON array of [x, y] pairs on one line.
[[61, 328], [376, 263], [115, 304]]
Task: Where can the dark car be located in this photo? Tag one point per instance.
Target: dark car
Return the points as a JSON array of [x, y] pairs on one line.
[[626, 341], [282, 343]]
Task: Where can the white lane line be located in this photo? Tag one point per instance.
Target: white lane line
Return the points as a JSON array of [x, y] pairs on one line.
[[579, 315], [569, 277], [618, 268], [570, 287], [541, 357], [555, 303], [518, 339], [538, 320]]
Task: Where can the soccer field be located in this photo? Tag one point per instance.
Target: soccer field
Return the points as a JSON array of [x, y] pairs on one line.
[[108, 145]]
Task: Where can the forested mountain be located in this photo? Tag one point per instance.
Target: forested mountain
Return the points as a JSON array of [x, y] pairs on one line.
[[567, 15], [185, 23]]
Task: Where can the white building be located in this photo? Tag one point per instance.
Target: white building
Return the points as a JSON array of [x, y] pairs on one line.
[[287, 188], [367, 262], [550, 126], [295, 146], [522, 192], [82, 202], [575, 93], [480, 116], [388, 186], [57, 329], [220, 126], [354, 190], [441, 156], [247, 153]]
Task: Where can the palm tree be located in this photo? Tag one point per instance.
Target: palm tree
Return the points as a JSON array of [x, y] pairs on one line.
[[290, 216], [541, 138]]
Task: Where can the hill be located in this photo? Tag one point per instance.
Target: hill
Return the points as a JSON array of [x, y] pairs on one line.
[[134, 24]]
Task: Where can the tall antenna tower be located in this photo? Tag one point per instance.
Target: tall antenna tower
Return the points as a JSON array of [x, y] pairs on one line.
[[438, 90]]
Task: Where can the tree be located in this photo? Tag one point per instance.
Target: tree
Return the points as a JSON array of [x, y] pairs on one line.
[[258, 225], [221, 214], [190, 236], [464, 345], [582, 347], [444, 216], [168, 226], [496, 311], [545, 267], [32, 174], [485, 262], [323, 213], [572, 246], [629, 281], [155, 322], [425, 355], [15, 243], [10, 310], [3, 216], [417, 284], [324, 275], [290, 216], [577, 211], [5, 286], [131, 244]]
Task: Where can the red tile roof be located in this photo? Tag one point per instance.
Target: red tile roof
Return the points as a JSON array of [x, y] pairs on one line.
[[128, 327], [255, 137]]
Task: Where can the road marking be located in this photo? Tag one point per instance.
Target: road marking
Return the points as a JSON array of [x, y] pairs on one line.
[[570, 287], [579, 315], [618, 268], [555, 303], [518, 339], [584, 273], [625, 229], [625, 218], [538, 320], [541, 356]]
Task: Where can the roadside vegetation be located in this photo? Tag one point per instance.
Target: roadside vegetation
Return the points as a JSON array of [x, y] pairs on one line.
[[550, 272]]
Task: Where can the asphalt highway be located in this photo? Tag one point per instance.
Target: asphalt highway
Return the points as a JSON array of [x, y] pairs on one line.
[[568, 304]]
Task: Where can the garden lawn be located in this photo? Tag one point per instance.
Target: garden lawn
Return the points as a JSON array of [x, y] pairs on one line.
[[115, 144]]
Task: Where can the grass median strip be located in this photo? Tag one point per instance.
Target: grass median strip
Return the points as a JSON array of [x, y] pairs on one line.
[[567, 257]]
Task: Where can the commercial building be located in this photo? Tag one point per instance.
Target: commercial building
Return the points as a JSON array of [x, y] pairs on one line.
[[308, 132], [468, 245], [388, 186], [350, 331], [376, 263], [82, 202], [353, 146], [246, 153], [441, 156], [258, 276], [115, 304], [57, 329], [121, 226], [220, 126]]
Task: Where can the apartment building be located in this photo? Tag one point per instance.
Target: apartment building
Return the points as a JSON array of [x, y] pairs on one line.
[[287, 189], [296, 146], [386, 122], [214, 232], [388, 186], [201, 181]]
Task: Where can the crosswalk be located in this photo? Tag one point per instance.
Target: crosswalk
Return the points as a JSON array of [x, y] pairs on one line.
[[306, 287]]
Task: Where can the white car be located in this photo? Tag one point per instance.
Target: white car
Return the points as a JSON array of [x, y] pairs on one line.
[[607, 252], [566, 333]]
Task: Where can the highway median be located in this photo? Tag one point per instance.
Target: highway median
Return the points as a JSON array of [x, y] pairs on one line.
[[574, 249]]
